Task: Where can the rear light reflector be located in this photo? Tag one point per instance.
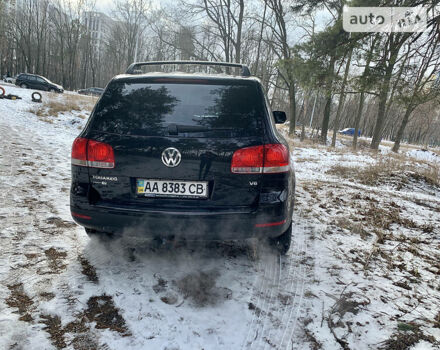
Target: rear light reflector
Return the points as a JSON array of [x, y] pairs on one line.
[[272, 158], [92, 153], [268, 224], [81, 216]]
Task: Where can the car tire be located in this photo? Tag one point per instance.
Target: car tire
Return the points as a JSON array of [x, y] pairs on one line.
[[282, 242], [23, 86], [36, 97]]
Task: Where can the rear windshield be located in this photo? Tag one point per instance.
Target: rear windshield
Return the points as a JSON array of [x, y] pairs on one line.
[[192, 110]]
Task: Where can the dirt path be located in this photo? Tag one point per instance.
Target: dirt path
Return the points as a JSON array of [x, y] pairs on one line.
[[59, 289]]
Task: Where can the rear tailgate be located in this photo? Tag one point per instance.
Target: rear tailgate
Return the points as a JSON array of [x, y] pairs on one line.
[[204, 121]]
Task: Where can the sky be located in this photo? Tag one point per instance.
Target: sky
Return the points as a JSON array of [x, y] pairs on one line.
[[105, 5]]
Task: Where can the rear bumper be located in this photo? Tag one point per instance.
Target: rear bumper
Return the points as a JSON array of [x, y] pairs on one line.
[[194, 225]]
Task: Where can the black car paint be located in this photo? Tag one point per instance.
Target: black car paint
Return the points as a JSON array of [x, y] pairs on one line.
[[37, 82], [236, 202]]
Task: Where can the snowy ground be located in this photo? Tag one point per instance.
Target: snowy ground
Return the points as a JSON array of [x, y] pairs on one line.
[[362, 273]]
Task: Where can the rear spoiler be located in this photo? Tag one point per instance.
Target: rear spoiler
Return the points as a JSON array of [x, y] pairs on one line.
[[134, 67]]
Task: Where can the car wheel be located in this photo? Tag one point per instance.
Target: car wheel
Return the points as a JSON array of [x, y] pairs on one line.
[[23, 86], [52, 90], [282, 242]]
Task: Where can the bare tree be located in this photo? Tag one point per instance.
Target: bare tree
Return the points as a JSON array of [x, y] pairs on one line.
[[281, 48], [132, 23], [420, 87]]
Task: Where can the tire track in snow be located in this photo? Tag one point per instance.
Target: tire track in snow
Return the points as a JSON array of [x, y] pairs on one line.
[[292, 276], [264, 315], [286, 333], [272, 299], [265, 271], [278, 272]]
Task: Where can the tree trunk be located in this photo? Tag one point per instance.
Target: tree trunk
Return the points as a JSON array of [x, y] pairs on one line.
[[260, 39], [328, 101], [342, 97], [292, 108], [382, 111], [401, 130], [358, 119], [239, 29], [392, 49], [304, 117], [380, 119]]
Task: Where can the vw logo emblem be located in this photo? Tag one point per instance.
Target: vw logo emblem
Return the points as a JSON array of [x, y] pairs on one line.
[[171, 157]]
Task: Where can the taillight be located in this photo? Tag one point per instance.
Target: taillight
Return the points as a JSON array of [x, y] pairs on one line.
[[248, 160], [79, 151], [276, 159], [92, 153], [272, 158], [100, 155]]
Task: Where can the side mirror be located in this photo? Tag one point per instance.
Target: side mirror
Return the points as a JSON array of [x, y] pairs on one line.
[[280, 117]]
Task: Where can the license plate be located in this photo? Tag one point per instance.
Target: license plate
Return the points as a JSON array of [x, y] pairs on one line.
[[172, 188]]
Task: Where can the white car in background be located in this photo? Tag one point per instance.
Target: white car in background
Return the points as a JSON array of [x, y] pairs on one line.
[[9, 79]]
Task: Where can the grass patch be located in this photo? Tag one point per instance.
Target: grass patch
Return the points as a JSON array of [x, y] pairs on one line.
[[52, 107], [368, 175], [431, 175], [350, 224], [87, 269], [437, 321], [383, 217], [407, 336], [392, 169], [55, 259], [20, 300], [101, 309]]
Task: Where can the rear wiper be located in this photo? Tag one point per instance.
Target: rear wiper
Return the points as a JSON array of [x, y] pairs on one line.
[[174, 129]]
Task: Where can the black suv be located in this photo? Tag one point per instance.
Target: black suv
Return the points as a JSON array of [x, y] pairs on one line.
[[184, 156], [37, 82]]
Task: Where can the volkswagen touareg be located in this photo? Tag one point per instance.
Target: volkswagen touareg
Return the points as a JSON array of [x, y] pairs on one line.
[[189, 156]]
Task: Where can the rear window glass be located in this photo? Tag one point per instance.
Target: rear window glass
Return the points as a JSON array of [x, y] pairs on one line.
[[192, 110]]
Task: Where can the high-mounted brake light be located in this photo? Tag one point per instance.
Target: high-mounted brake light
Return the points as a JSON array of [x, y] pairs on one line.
[[272, 158], [92, 153]]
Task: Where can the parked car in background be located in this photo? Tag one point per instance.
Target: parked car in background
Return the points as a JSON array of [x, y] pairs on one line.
[[37, 82], [94, 91], [349, 131], [9, 79]]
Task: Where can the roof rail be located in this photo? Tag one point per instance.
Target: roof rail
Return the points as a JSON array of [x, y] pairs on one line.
[[134, 67]]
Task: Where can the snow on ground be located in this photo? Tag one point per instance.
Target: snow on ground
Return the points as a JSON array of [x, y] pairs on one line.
[[424, 154], [362, 272]]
